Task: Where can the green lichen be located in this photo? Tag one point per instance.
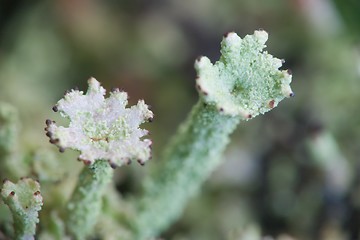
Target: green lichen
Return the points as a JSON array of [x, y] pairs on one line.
[[85, 204], [246, 81], [25, 201], [102, 128], [242, 84], [192, 155], [107, 134]]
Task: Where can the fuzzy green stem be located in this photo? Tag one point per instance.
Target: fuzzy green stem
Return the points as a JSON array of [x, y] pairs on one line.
[[85, 204], [189, 160]]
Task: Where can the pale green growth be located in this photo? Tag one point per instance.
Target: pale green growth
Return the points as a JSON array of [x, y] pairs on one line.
[[189, 159], [85, 204], [246, 81], [242, 84], [25, 201], [102, 129]]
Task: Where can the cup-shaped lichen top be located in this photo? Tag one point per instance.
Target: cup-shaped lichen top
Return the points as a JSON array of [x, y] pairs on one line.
[[246, 81], [102, 128], [25, 202]]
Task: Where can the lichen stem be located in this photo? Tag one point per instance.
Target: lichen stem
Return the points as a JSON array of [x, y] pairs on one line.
[[85, 203], [189, 159]]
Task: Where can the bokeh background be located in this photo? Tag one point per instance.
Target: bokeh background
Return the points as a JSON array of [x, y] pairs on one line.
[[291, 174]]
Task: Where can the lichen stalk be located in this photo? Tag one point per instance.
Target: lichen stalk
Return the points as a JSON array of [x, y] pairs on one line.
[[85, 203], [190, 158]]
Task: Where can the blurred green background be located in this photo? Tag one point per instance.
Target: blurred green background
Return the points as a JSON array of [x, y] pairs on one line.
[[291, 174]]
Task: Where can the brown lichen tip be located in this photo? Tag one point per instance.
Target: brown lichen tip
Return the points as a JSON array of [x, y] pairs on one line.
[[150, 119], [272, 103], [12, 193], [87, 162], [48, 122], [55, 108], [225, 35], [54, 140], [115, 89], [113, 165], [67, 92], [200, 90], [36, 193], [141, 162]]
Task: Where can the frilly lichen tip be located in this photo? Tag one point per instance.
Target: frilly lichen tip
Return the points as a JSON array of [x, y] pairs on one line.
[[102, 128], [246, 81]]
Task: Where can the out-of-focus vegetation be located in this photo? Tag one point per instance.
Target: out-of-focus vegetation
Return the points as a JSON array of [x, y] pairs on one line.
[[291, 174]]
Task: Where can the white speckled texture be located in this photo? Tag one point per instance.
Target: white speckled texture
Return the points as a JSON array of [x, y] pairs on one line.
[[246, 81], [102, 128]]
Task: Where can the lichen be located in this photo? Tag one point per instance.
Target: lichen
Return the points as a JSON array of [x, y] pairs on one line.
[[25, 202], [246, 81], [102, 129], [242, 84]]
